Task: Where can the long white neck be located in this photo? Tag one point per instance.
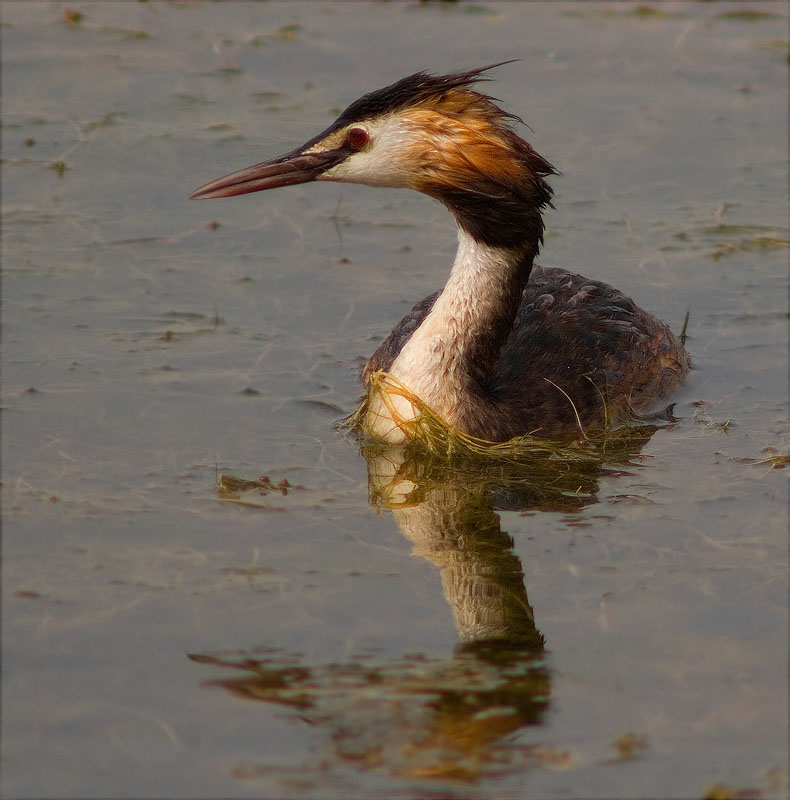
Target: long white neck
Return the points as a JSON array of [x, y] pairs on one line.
[[448, 359]]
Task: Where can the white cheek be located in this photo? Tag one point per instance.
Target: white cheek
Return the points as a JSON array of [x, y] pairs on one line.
[[385, 162], [362, 167]]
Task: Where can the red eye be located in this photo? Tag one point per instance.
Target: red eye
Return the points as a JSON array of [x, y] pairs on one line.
[[357, 137]]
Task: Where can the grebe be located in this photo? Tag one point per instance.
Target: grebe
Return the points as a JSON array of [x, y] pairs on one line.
[[508, 347]]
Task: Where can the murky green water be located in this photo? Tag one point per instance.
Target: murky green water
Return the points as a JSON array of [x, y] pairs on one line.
[[159, 642]]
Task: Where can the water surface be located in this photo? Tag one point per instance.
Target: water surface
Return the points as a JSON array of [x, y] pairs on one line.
[[158, 641]]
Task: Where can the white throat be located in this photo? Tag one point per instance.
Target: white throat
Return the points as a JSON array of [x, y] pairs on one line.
[[435, 363]]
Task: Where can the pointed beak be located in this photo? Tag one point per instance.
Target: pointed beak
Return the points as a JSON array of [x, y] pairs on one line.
[[292, 168]]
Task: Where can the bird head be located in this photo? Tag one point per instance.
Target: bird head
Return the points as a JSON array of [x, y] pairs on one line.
[[426, 132]]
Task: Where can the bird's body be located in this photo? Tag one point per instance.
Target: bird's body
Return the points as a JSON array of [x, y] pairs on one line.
[[507, 348], [579, 356]]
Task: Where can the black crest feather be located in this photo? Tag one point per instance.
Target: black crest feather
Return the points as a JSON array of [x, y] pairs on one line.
[[421, 87]]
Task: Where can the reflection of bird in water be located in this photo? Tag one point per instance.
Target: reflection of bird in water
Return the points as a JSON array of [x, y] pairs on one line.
[[420, 715], [508, 347], [450, 521]]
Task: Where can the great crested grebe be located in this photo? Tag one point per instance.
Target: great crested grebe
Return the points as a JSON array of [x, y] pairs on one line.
[[507, 347]]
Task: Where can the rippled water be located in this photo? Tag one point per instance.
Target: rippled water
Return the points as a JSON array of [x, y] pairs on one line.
[[159, 640]]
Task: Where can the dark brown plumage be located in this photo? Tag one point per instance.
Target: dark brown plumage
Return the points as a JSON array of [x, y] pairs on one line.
[[615, 361]]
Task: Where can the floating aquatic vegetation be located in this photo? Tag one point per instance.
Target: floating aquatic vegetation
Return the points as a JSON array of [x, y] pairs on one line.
[[771, 457], [283, 33], [701, 416], [60, 166], [638, 12], [230, 488], [644, 12], [747, 15], [431, 434], [757, 242], [71, 17], [727, 238]]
